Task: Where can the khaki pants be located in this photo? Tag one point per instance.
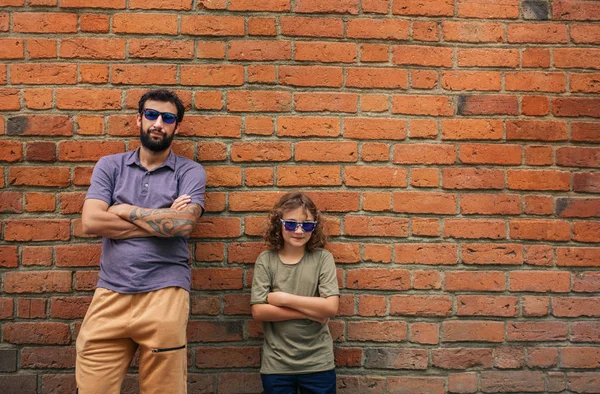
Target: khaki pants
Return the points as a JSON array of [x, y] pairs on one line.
[[115, 325]]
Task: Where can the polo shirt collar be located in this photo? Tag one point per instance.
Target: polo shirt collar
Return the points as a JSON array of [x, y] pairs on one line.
[[134, 158]]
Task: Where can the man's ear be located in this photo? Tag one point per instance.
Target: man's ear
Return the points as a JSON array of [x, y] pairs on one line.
[[177, 128], [138, 119]]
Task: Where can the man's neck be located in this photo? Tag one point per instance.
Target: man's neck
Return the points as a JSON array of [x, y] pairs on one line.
[[150, 160]]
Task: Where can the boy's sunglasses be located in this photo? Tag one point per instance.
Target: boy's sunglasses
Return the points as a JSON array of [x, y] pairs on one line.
[[167, 117], [292, 225]]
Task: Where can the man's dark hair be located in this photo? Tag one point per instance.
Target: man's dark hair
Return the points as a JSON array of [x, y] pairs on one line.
[[165, 96]]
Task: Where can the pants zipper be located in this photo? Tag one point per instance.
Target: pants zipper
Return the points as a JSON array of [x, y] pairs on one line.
[[167, 349]]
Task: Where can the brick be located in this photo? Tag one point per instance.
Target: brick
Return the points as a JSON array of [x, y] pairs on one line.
[[426, 253], [9, 256], [425, 177], [534, 331], [585, 83], [37, 230], [424, 154], [246, 252], [223, 176], [423, 202], [505, 9], [205, 25], [471, 31], [374, 53], [31, 308], [21, 383], [321, 102], [490, 204], [40, 202], [165, 5], [41, 48], [262, 74], [426, 227], [462, 358], [493, 154], [376, 332], [585, 331], [42, 74], [382, 358], [535, 58], [465, 382], [576, 106], [431, 305], [297, 26], [530, 81], [46, 22], [374, 201], [116, 4], [427, 280], [535, 105], [575, 307], [326, 151], [578, 207], [88, 150], [69, 307], [309, 176], [325, 52], [422, 105], [344, 252], [541, 282], [9, 99], [381, 29], [471, 80], [135, 22], [480, 129], [587, 231], [212, 126], [539, 255], [512, 381], [424, 333], [94, 23], [211, 50], [216, 279], [129, 74], [260, 151], [472, 178], [418, 55], [472, 305], [36, 255], [536, 130], [12, 48], [37, 282], [38, 98], [538, 205], [475, 281], [374, 128], [490, 57], [11, 202], [424, 79], [583, 381], [542, 357], [40, 125], [88, 99], [259, 101], [425, 31], [253, 201], [313, 76], [578, 157], [375, 6], [577, 58], [535, 306], [93, 48], [161, 49], [487, 105], [539, 33], [375, 226], [262, 50], [538, 180], [540, 229], [37, 333], [333, 6], [468, 228], [585, 33], [472, 331], [262, 27], [222, 357], [429, 8], [308, 127]]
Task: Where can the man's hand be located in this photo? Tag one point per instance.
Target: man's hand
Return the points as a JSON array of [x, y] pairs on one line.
[[181, 202]]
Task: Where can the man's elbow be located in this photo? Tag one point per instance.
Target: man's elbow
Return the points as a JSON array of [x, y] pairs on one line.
[[87, 227]]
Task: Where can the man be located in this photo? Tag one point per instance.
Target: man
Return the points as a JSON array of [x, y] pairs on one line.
[[144, 204]]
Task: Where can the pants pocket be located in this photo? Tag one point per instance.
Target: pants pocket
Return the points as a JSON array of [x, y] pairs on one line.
[[167, 349]]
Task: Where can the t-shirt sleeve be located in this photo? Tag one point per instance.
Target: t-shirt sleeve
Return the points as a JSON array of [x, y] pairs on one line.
[[261, 282], [328, 284], [193, 183], [102, 182]]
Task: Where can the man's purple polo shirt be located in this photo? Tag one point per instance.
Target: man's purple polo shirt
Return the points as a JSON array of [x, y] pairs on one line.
[[139, 265]]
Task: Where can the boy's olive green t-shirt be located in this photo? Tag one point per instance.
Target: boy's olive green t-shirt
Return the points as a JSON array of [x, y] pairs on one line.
[[300, 345]]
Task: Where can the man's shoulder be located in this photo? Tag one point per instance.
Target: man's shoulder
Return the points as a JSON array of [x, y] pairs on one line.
[[187, 164]]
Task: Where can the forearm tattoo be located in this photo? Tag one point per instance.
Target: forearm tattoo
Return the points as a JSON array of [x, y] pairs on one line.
[[168, 222]]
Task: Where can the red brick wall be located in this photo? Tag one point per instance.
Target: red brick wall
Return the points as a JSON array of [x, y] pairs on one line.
[[453, 146]]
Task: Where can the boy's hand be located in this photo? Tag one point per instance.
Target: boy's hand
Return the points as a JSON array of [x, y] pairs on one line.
[[277, 298], [181, 202]]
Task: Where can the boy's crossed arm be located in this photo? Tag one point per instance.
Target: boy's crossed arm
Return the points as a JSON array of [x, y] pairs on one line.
[[286, 306]]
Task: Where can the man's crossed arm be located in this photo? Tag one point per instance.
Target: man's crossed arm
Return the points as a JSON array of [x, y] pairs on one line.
[[128, 221]]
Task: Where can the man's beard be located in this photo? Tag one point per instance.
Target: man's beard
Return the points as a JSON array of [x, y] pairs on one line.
[[155, 145]]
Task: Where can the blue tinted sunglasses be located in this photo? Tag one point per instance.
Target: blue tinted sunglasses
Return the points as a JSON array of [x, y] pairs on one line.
[[292, 225], [167, 117]]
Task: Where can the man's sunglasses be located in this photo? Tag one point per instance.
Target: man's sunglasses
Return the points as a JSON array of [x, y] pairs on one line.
[[167, 117], [292, 225]]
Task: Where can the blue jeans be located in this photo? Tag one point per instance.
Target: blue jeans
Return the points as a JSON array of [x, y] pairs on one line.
[[307, 383]]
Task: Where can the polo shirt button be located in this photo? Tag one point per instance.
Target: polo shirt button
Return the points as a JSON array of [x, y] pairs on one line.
[[146, 185]]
